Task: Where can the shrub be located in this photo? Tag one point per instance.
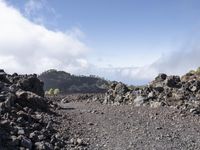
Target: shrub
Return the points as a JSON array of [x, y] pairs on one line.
[[192, 71], [198, 70], [51, 92], [56, 91]]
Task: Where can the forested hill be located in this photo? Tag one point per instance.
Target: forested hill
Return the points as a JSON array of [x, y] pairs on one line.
[[68, 83]]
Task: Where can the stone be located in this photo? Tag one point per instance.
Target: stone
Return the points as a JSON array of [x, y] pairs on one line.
[[118, 99], [49, 125], [2, 107], [161, 77], [121, 89], [31, 83], [21, 131], [195, 111], [15, 140], [41, 137], [2, 98], [79, 141], [151, 95], [39, 146], [33, 136], [159, 89], [25, 142], [9, 100], [139, 101], [73, 141], [57, 136], [13, 88], [48, 146], [31, 100], [173, 81], [155, 104]]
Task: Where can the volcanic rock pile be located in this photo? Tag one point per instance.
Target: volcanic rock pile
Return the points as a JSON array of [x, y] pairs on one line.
[[165, 90], [25, 122]]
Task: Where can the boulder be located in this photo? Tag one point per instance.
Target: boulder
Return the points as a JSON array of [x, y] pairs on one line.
[[3, 77], [173, 81], [161, 77], [25, 142], [121, 89], [31, 83], [139, 101], [194, 87], [31, 100]]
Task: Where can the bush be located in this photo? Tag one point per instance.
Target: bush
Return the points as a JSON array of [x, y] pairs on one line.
[[56, 91], [192, 71], [51, 91], [198, 70]]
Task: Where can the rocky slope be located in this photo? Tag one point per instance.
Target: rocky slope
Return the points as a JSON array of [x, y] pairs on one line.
[[183, 93], [27, 119]]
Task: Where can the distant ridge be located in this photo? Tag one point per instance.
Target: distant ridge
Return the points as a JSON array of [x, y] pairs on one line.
[[69, 83]]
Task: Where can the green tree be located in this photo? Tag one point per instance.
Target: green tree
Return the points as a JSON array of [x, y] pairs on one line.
[[51, 91], [56, 91]]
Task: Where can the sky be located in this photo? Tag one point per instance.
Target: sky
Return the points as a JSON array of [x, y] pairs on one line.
[[129, 41]]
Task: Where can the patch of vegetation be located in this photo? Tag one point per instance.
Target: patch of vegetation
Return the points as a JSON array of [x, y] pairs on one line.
[[197, 71], [52, 92]]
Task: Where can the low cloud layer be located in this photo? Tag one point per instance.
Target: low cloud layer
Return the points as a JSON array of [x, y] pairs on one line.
[[176, 63], [27, 47]]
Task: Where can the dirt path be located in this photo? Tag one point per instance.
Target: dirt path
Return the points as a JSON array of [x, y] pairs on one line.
[[126, 127]]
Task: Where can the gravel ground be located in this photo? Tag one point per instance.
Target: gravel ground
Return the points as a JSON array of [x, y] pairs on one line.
[[125, 127]]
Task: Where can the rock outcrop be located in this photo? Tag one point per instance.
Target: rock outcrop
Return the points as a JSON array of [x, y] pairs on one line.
[[165, 90]]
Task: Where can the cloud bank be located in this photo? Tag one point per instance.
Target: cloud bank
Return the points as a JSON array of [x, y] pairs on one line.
[[176, 63], [27, 47]]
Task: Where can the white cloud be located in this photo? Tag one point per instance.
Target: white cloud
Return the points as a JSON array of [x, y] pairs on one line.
[[174, 63], [27, 47], [39, 10], [32, 6]]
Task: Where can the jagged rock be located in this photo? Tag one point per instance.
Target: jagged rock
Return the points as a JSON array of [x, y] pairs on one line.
[[26, 98], [31, 83], [118, 94], [139, 101], [161, 77], [10, 100], [22, 111], [155, 104], [2, 107], [173, 81], [25, 142], [120, 89], [166, 90], [194, 87], [79, 141], [15, 140], [3, 76], [159, 88]]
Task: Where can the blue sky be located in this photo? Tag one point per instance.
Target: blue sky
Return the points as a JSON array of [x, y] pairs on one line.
[[122, 34]]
